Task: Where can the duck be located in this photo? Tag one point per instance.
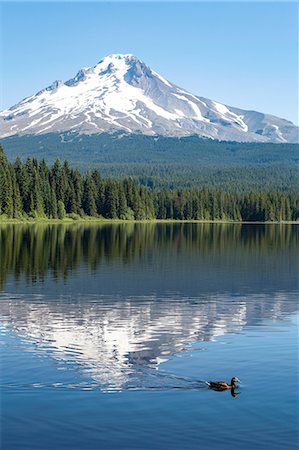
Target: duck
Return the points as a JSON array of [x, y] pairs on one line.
[[222, 385]]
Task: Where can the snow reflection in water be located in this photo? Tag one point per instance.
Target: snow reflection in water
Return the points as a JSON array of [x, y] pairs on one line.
[[121, 343]]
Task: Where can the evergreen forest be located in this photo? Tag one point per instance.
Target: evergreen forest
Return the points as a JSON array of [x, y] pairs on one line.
[[168, 162], [32, 189]]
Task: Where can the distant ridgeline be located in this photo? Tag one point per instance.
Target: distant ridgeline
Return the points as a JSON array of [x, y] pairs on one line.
[[32, 189], [167, 162]]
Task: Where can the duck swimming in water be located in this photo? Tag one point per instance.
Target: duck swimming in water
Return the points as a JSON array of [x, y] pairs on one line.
[[222, 385]]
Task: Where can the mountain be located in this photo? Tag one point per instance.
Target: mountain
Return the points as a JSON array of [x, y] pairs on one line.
[[122, 94]]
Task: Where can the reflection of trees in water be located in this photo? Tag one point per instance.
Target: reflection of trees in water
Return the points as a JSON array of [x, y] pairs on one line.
[[36, 250]]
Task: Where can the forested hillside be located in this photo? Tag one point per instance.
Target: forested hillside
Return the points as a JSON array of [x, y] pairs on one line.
[[167, 162], [33, 189]]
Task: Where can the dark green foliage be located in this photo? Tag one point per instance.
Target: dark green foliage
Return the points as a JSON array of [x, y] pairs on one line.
[[169, 162], [61, 210], [33, 189]]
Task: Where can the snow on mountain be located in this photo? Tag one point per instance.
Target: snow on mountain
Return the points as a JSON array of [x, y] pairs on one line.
[[121, 93]]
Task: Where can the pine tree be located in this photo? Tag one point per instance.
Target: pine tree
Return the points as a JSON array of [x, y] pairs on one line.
[[16, 196], [111, 200], [6, 187], [89, 197], [53, 213], [61, 210]]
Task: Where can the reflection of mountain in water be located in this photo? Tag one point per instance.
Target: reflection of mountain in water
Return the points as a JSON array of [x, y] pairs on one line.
[[117, 300], [116, 341]]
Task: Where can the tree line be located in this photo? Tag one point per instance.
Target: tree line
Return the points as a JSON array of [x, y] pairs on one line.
[[169, 162], [33, 189]]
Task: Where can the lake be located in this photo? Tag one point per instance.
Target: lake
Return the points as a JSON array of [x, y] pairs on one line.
[[110, 332]]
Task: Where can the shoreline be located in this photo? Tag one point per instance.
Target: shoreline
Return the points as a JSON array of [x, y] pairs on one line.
[[103, 221]]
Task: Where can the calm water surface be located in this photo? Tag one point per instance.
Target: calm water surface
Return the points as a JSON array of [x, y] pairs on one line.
[[109, 332]]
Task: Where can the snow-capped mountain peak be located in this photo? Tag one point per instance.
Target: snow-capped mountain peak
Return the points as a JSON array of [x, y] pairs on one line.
[[121, 93]]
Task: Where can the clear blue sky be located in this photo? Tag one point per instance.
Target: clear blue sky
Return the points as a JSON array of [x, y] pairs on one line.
[[242, 54]]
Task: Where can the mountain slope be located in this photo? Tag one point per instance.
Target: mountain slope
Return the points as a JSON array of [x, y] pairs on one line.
[[121, 93], [171, 162]]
